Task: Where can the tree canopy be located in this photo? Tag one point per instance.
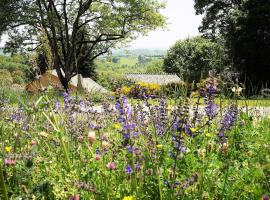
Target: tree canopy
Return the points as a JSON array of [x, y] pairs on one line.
[[245, 26], [192, 58], [78, 30]]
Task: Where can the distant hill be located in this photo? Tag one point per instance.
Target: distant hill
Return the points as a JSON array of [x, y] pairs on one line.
[[137, 52]]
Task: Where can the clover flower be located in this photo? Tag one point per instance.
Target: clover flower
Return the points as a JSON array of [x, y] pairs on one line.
[[111, 166], [10, 162], [75, 197]]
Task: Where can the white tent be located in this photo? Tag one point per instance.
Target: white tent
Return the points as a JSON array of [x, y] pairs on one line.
[[87, 84]]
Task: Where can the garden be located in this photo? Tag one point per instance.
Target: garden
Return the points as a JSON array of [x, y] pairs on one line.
[[68, 148], [188, 122]]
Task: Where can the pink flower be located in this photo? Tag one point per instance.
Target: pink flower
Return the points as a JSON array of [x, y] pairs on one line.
[[75, 197], [10, 162], [111, 166], [97, 157], [33, 142]]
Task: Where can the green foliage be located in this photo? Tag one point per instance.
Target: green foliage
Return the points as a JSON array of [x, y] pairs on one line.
[[6, 78], [155, 66], [18, 77], [245, 27], [193, 58], [47, 137], [110, 75], [16, 65], [80, 30]]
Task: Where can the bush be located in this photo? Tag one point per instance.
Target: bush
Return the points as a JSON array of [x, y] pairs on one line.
[[192, 58], [141, 90], [18, 77], [176, 90], [6, 78]]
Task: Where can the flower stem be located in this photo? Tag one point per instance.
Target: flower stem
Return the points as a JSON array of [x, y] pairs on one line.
[[4, 194]]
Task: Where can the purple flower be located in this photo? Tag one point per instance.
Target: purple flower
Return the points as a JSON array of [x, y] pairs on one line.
[[228, 121], [56, 106], [136, 167], [129, 148], [128, 169], [211, 110]]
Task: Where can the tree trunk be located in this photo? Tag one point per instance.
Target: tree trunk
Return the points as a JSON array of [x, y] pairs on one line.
[[63, 79]]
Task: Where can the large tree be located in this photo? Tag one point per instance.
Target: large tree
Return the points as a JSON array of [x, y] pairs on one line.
[[245, 26], [79, 30], [193, 58]]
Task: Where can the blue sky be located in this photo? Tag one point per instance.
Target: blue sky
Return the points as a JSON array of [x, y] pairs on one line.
[[182, 23]]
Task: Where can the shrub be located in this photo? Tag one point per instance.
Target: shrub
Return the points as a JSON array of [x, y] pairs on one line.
[[6, 78], [141, 90], [18, 77], [176, 89], [192, 58]]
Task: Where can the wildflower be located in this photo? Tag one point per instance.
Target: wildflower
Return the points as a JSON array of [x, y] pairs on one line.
[[75, 197], [10, 162], [136, 151], [8, 149], [43, 134], [159, 146], [223, 147], [237, 90], [105, 144], [97, 157], [33, 142], [265, 197], [128, 169], [193, 130], [128, 198], [201, 152], [211, 109], [207, 134], [129, 148], [91, 137], [136, 166], [111, 166], [228, 121], [117, 126]]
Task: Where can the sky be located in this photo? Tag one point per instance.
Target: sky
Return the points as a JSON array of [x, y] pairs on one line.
[[182, 23]]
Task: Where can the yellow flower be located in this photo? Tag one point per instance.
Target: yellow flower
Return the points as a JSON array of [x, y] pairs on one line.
[[207, 134], [8, 149], [125, 90], [128, 198], [105, 144], [159, 146], [193, 130], [117, 126]]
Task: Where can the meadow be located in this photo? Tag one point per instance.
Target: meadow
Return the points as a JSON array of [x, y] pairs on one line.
[[65, 148]]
